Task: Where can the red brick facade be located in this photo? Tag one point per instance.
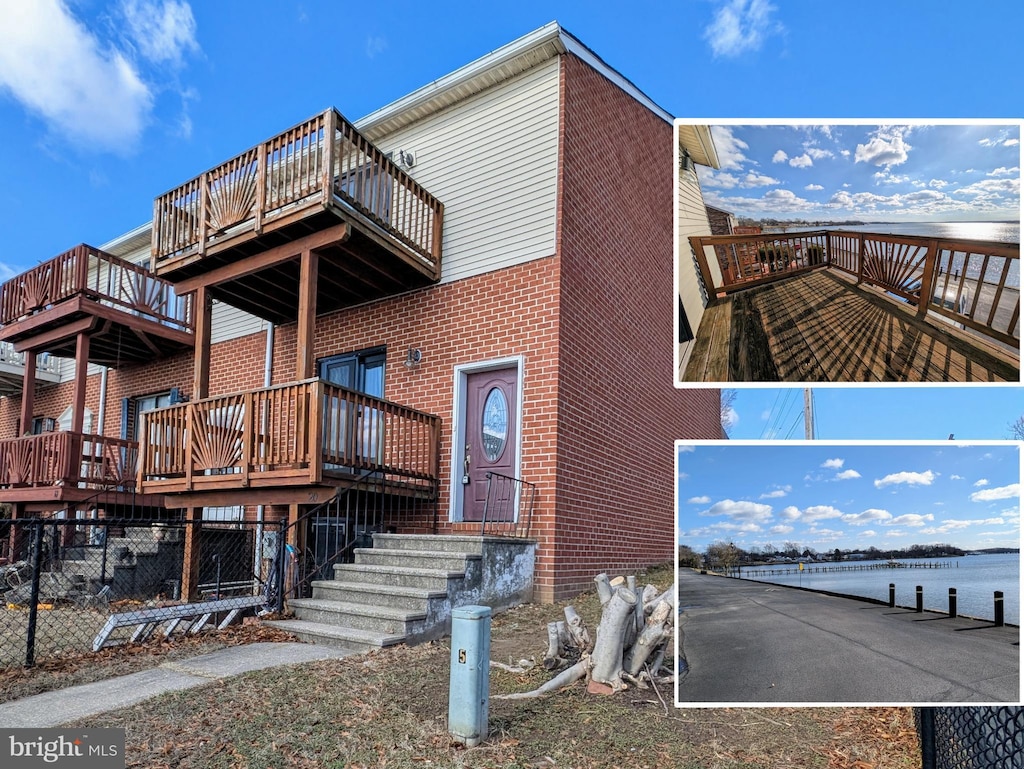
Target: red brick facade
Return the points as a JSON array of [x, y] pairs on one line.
[[591, 325]]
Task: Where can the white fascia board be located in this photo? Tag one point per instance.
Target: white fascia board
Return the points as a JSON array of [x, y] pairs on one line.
[[129, 241], [529, 50]]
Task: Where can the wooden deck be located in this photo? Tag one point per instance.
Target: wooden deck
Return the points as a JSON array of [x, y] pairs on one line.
[[820, 327], [240, 228], [291, 443], [129, 314]]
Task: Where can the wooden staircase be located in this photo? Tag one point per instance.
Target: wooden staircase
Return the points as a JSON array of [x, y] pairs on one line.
[[403, 589]]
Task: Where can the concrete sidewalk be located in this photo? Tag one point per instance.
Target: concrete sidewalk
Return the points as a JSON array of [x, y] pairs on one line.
[[64, 705], [751, 642]]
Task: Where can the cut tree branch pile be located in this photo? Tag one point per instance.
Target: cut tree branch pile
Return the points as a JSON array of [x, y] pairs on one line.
[[629, 647]]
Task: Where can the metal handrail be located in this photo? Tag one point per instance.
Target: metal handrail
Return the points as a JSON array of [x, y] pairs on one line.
[[508, 506]]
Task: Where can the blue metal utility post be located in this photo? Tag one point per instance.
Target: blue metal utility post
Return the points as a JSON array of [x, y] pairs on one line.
[[469, 686]]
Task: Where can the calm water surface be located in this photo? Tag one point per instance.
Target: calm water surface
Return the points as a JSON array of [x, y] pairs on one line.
[[975, 578]]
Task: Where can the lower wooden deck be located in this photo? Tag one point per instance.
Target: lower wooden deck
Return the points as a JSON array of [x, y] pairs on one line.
[[820, 327]]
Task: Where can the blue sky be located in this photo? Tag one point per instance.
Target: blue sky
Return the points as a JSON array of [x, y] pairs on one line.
[[105, 104], [878, 413], [849, 496], [912, 172]]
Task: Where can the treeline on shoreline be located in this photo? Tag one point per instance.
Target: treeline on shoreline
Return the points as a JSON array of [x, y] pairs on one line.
[[722, 554]]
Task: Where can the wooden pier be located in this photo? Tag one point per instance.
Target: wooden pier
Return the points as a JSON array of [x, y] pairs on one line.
[[747, 573]]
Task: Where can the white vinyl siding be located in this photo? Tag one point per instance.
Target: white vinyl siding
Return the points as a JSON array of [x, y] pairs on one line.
[[692, 219], [229, 322], [492, 160]]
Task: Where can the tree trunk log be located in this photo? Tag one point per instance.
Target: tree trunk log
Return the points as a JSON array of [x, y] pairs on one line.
[[577, 630], [604, 589], [566, 677], [617, 614], [655, 632], [555, 658]]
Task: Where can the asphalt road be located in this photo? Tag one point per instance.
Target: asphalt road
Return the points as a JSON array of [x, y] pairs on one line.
[[750, 642]]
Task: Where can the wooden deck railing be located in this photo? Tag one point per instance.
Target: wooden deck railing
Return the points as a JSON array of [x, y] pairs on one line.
[[976, 284], [44, 363], [68, 459], [294, 170], [288, 435], [88, 272]]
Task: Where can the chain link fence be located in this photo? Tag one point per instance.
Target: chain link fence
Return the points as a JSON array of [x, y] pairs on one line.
[[971, 737], [71, 586]]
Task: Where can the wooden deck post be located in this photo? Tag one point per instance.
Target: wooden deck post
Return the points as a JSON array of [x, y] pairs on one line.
[[190, 566], [860, 259], [308, 274], [28, 393], [81, 379], [201, 370], [927, 277]]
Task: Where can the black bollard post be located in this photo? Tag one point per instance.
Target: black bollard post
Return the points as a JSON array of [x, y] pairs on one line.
[[920, 598], [892, 595], [999, 608], [952, 602]]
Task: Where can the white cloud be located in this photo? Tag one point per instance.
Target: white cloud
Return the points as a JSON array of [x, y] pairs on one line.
[[847, 475], [911, 519], [981, 482], [1004, 171], [780, 529], [818, 153], [730, 149], [833, 464], [999, 492], [687, 449], [163, 31], [757, 180], [909, 478], [816, 513], [953, 524], [955, 477], [813, 187], [873, 514], [698, 500], [740, 26], [886, 147], [375, 45], [780, 157], [90, 91], [777, 493], [741, 510], [803, 161]]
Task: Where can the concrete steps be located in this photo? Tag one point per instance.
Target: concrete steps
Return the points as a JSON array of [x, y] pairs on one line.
[[403, 589]]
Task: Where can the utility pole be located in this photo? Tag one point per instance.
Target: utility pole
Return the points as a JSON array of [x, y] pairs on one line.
[[808, 414]]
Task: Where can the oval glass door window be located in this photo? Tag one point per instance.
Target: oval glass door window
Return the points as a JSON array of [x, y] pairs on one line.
[[494, 427]]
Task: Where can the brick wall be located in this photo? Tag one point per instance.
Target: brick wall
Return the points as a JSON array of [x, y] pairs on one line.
[[618, 411], [500, 314]]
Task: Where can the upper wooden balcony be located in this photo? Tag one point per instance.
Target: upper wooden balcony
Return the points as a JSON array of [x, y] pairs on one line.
[[12, 370], [289, 443], [839, 306], [320, 185], [129, 314]]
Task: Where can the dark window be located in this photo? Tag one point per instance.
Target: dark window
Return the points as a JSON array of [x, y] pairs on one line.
[[362, 371], [685, 332]]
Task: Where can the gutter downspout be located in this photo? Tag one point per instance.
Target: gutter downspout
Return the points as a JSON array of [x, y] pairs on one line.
[[261, 510]]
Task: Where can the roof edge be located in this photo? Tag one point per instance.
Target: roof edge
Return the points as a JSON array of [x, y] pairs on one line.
[[551, 33]]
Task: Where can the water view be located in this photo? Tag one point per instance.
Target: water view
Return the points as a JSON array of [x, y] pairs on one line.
[[999, 232], [975, 578]]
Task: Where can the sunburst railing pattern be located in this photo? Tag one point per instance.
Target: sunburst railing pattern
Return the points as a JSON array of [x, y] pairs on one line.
[[84, 271]]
